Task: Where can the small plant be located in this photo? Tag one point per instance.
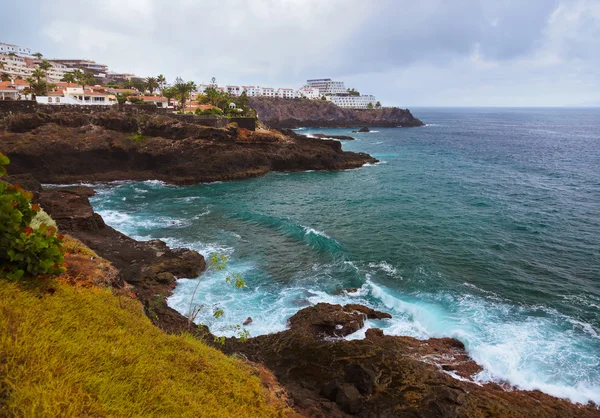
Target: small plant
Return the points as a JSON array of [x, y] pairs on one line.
[[137, 137], [218, 262], [25, 249]]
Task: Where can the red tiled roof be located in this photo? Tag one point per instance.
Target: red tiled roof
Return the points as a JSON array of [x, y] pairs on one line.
[[154, 99]]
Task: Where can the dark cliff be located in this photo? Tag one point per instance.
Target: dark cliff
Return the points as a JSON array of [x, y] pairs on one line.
[[296, 113], [73, 147]]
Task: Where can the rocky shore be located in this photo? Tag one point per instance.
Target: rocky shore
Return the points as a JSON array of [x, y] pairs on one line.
[[284, 113], [322, 374], [75, 147]]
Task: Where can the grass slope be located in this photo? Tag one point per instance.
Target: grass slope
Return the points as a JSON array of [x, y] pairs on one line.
[[86, 352]]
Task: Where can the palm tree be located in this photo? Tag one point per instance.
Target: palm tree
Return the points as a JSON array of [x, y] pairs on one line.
[[161, 80], [152, 84], [184, 89], [44, 66], [38, 74], [84, 79], [169, 93], [69, 78], [38, 55]]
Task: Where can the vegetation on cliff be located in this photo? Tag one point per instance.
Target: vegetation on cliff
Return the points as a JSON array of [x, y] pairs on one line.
[[76, 351]]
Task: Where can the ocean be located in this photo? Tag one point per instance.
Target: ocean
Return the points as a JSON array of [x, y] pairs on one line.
[[483, 225]]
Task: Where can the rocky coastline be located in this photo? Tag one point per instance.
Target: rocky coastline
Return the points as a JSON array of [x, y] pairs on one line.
[[323, 374], [291, 114], [73, 147]]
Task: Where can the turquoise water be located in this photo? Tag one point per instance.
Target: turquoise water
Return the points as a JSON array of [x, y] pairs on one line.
[[483, 225]]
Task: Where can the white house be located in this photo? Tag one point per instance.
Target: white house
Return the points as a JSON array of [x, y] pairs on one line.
[[309, 93], [252, 91], [15, 49], [267, 91], [159, 101], [234, 91], [286, 93], [12, 90], [353, 102]]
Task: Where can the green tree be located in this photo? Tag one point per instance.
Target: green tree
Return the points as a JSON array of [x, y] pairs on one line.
[[353, 92], [323, 98], [370, 106], [69, 78], [213, 82], [242, 102], [169, 93], [378, 105], [38, 55], [37, 82], [213, 95], [152, 84], [44, 66], [161, 80], [84, 78], [12, 54], [183, 89]]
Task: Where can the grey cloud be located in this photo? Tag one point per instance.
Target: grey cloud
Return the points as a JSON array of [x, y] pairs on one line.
[[406, 52]]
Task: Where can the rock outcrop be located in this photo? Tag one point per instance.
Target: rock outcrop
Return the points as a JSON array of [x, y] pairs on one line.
[[385, 376], [148, 269], [285, 113], [74, 147]]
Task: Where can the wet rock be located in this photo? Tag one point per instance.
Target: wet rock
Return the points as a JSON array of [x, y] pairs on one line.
[[362, 378], [373, 333], [348, 398], [365, 129], [248, 321], [324, 320]]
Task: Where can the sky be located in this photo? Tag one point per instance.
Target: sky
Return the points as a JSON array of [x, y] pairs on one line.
[[405, 52]]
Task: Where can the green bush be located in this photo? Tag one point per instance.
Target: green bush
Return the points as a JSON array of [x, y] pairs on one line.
[[25, 251], [213, 111]]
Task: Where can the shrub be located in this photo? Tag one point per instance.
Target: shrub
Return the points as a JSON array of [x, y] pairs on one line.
[[25, 250], [213, 111]]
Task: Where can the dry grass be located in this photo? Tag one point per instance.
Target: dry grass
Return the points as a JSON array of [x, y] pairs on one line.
[[85, 352], [84, 267]]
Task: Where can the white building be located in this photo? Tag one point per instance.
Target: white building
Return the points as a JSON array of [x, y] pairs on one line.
[[15, 66], [286, 93], [354, 102], [267, 91], [252, 91], [234, 91], [309, 93], [327, 86], [15, 49]]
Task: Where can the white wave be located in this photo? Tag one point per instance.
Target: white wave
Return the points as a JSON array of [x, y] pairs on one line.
[[388, 268], [374, 164], [313, 231], [200, 215], [378, 142]]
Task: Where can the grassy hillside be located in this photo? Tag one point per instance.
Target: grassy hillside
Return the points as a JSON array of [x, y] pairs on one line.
[[85, 352]]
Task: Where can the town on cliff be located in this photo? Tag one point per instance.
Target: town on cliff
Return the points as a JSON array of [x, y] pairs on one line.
[[29, 76]]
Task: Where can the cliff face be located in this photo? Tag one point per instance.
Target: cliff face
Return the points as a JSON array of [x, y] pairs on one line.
[[74, 147], [286, 113]]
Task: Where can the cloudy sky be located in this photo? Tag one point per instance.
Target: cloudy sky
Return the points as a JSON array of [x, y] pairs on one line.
[[406, 52]]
